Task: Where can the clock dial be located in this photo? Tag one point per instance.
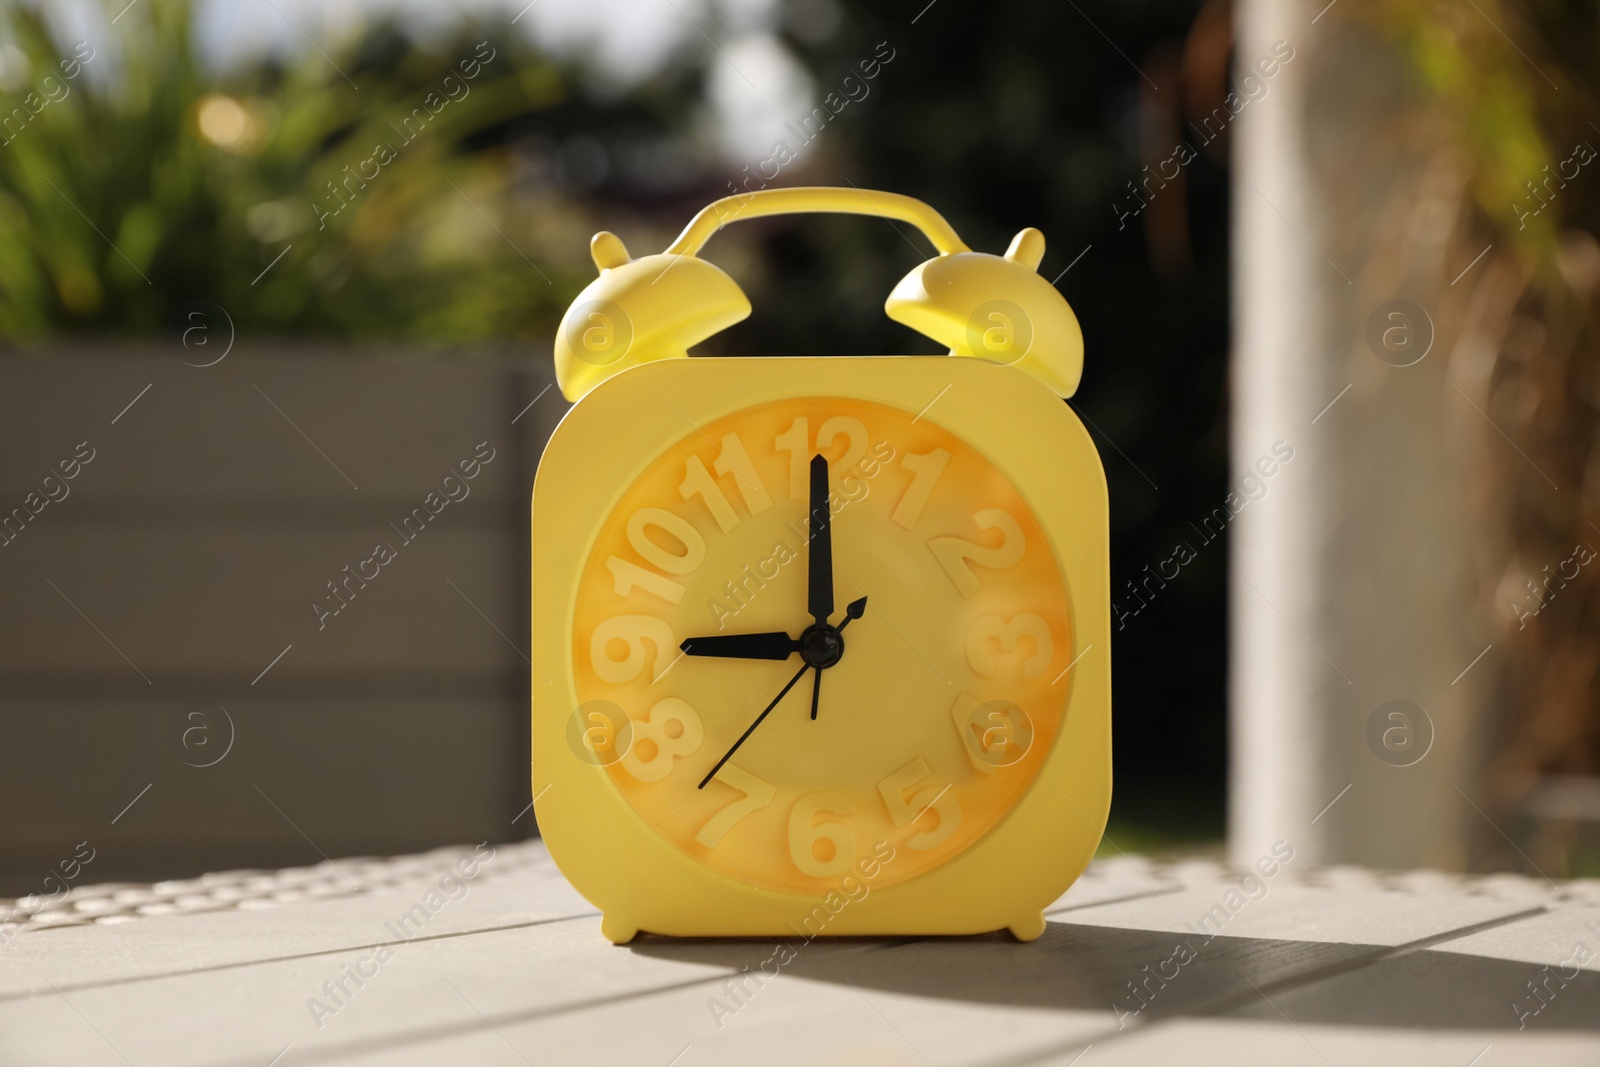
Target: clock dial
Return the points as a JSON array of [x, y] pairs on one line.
[[936, 659]]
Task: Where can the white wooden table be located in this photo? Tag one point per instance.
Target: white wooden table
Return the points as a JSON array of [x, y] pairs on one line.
[[1321, 968]]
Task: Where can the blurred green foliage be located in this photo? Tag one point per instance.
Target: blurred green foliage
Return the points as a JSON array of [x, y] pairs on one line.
[[1505, 115], [144, 182]]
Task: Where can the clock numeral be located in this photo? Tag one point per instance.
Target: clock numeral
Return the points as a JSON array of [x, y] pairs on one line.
[[734, 460], [904, 810], [856, 440], [697, 482], [629, 576], [925, 469], [670, 729], [757, 795], [796, 441], [1009, 633], [633, 631], [689, 540], [953, 553], [839, 840]]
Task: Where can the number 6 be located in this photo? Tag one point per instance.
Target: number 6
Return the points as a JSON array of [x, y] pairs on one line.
[[803, 836]]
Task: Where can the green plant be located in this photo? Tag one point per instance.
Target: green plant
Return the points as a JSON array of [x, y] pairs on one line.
[[141, 183]]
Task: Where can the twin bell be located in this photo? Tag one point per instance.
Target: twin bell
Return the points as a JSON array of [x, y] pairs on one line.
[[995, 308]]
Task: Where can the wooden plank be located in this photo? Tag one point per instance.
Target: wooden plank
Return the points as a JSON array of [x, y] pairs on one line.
[[556, 966], [559, 994], [1333, 967], [1292, 910], [1446, 1002], [1231, 1042], [1537, 976], [250, 1013], [521, 875], [1567, 935], [515, 885], [971, 1001]]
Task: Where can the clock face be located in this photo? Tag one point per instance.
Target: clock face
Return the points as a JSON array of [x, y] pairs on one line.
[[937, 700]]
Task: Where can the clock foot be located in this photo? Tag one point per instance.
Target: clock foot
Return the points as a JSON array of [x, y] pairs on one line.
[[1029, 928], [619, 932]]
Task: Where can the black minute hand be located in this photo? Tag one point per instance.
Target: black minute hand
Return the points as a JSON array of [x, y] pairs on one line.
[[820, 566], [742, 646]]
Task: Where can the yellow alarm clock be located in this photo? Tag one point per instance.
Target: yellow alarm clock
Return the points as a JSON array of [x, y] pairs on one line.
[[821, 646]]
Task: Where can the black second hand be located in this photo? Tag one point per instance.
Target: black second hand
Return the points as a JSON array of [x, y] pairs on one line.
[[752, 727]]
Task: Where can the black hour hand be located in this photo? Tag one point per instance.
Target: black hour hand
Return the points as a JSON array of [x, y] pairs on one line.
[[819, 579], [742, 646]]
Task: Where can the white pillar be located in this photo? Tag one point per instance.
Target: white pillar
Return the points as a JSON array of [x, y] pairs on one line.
[[1277, 679], [1366, 573]]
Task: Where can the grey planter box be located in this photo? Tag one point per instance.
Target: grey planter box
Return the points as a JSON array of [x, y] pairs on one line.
[[141, 608]]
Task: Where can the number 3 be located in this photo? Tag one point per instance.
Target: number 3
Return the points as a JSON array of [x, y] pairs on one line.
[[1008, 633]]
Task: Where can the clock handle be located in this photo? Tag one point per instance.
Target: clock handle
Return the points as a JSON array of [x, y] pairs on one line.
[[995, 308], [822, 200]]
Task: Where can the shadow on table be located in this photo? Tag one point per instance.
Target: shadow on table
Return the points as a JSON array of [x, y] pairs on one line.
[[1138, 976]]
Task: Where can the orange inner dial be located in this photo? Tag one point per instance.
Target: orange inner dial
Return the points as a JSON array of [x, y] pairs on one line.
[[937, 715]]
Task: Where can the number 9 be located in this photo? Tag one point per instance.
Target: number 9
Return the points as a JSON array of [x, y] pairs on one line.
[[632, 630]]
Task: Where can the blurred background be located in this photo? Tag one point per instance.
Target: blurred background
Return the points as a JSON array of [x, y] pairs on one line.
[[269, 269]]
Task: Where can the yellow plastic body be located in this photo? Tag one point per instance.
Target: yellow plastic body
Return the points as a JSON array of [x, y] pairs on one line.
[[976, 304], [1026, 858]]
